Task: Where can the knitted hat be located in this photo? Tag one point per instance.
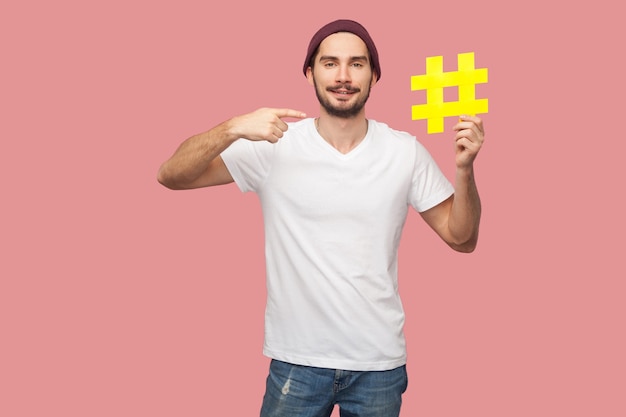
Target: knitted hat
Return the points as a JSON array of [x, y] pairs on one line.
[[342, 26]]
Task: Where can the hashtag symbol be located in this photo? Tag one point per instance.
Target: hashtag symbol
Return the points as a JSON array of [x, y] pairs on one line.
[[434, 82]]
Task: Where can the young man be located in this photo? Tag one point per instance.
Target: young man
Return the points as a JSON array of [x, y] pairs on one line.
[[335, 192]]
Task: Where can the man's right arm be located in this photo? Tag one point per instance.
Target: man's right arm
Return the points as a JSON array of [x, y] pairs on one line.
[[197, 162]]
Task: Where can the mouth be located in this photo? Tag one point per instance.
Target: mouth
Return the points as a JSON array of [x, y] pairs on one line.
[[343, 92]]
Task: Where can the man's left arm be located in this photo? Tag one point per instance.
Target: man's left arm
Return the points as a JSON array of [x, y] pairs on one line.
[[456, 220]]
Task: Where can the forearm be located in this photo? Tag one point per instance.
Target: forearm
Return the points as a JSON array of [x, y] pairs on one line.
[[196, 164], [465, 212], [193, 157]]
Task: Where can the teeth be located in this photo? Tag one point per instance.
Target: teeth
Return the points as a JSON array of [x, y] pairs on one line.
[[345, 93]]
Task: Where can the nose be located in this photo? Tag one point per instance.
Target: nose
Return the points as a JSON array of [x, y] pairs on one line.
[[343, 73]]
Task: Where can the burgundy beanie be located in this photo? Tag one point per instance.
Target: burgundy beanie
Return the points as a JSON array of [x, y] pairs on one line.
[[343, 26]]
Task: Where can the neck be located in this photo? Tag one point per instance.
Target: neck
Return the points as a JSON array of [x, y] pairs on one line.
[[341, 133]]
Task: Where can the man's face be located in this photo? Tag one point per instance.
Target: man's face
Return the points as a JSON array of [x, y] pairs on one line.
[[342, 74]]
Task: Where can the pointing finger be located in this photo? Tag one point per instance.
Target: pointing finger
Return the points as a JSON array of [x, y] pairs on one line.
[[289, 113]]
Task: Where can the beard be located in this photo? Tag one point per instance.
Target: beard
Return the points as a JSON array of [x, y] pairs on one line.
[[341, 111]]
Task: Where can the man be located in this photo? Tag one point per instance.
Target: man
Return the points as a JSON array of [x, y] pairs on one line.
[[335, 192]]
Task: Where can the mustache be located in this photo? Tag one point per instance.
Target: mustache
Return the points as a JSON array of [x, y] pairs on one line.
[[347, 87]]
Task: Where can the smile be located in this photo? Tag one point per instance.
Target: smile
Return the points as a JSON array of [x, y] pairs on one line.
[[343, 92]]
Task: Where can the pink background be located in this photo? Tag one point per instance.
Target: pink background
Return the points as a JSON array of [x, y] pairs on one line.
[[121, 298]]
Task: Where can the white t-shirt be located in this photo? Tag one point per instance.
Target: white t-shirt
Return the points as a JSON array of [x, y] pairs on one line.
[[333, 223]]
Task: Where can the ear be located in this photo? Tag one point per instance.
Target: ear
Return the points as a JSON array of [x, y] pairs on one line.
[[309, 75], [374, 79]]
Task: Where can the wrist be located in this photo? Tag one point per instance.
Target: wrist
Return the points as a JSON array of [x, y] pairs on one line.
[[229, 132], [465, 171]]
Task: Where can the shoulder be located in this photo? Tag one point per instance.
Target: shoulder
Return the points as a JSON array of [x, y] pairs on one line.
[[395, 139], [400, 142], [402, 135], [301, 127], [384, 130]]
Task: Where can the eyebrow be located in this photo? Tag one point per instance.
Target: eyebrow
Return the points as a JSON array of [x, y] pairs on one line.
[[352, 58]]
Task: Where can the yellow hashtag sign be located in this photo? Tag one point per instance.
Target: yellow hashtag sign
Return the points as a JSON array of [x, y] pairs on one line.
[[434, 82]]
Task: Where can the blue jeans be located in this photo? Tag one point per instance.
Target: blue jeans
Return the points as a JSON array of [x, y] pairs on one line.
[[303, 391]]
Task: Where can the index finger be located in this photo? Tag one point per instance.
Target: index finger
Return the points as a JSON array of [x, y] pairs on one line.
[[476, 120], [289, 113]]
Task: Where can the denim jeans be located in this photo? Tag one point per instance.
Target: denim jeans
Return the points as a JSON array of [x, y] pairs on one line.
[[303, 391]]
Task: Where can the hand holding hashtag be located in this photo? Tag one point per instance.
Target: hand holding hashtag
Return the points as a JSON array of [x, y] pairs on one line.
[[434, 82], [469, 138]]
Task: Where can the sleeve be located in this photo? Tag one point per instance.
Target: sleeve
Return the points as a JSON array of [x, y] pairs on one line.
[[248, 162], [429, 186]]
